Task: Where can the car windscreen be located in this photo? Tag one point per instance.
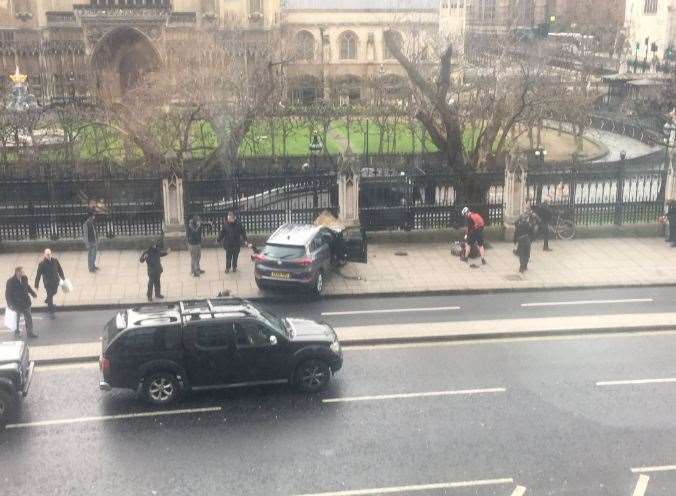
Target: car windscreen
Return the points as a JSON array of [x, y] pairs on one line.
[[283, 252]]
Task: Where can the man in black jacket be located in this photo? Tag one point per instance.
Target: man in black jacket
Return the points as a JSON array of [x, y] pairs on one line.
[[152, 258], [232, 237], [17, 296], [194, 232], [523, 235], [51, 273], [546, 215]]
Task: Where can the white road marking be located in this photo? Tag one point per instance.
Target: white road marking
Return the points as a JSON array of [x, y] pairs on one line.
[[414, 395], [636, 381], [391, 310], [519, 491], [586, 302], [104, 418], [408, 489], [641, 486], [659, 468]]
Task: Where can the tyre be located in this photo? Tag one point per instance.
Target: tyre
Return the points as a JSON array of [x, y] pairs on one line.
[[161, 388], [311, 376], [566, 229], [318, 285], [7, 408]]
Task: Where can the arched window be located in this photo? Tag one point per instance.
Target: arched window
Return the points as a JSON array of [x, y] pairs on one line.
[[398, 40], [255, 7], [348, 46], [305, 46]]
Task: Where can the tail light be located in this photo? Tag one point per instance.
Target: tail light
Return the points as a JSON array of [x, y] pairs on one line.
[[304, 262], [104, 364], [259, 258]]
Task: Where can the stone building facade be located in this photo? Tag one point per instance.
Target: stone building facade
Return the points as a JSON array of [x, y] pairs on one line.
[[650, 27], [338, 45]]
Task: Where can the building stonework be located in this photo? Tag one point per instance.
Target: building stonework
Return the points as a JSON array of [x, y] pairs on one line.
[[650, 27]]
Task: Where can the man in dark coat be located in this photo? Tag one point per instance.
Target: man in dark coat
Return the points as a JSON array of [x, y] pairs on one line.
[[51, 273], [194, 232], [17, 296], [546, 215], [523, 236], [232, 237], [152, 258], [91, 240]]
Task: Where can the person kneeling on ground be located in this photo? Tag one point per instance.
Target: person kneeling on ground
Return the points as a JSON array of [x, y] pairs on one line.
[[152, 257], [475, 234]]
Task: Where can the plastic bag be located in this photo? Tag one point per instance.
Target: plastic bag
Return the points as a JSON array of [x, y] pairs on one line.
[[65, 285], [11, 320]]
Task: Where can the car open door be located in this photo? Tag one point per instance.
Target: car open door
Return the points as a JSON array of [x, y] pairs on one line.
[[356, 244]]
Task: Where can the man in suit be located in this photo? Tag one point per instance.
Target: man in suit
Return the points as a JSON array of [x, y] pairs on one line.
[[50, 271], [17, 296], [91, 240]]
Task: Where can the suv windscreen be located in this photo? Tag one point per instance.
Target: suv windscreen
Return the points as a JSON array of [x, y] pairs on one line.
[[283, 252]]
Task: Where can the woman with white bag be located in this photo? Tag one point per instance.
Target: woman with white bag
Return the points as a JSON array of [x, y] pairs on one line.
[[51, 273]]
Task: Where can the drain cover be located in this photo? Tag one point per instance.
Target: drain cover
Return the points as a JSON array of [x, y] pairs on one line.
[[514, 277], [401, 253]]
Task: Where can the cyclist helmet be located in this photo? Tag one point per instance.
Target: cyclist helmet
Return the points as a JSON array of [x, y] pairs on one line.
[[465, 211]]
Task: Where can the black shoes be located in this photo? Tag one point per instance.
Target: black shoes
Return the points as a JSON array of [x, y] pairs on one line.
[[483, 261], [547, 249], [200, 271], [234, 269]]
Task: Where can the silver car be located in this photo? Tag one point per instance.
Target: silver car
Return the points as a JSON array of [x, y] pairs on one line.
[[303, 255]]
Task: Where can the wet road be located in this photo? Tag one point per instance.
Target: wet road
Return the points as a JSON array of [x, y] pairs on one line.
[[86, 326], [484, 418]]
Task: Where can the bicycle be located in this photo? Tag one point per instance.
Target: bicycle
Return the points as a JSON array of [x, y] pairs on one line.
[[562, 228]]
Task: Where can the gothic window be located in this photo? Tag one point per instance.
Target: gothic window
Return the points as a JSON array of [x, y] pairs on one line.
[[348, 46], [255, 7], [650, 7], [305, 46]]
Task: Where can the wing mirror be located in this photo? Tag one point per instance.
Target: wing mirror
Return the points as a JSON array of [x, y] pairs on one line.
[[273, 340]]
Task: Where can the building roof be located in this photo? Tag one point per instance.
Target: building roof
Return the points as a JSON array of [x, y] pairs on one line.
[[360, 4]]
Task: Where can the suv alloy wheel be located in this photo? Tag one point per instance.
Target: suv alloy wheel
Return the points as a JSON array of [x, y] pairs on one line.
[[6, 407], [161, 388], [319, 283], [312, 376]]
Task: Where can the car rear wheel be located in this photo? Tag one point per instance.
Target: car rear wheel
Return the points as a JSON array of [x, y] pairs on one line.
[[318, 286], [161, 388], [312, 376], [7, 407]]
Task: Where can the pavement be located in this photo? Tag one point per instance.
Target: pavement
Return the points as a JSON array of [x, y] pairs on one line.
[[392, 268], [565, 416]]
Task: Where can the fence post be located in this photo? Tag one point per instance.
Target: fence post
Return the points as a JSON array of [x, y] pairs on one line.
[[515, 192], [172, 201], [619, 199], [348, 191]]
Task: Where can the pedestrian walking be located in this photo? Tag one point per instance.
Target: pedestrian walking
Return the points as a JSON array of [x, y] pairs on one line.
[[194, 232], [232, 237], [152, 257], [545, 213], [523, 237], [50, 271], [18, 297], [475, 234], [671, 220], [91, 240]]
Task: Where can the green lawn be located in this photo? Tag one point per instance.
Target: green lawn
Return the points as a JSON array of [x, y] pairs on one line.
[[267, 139]]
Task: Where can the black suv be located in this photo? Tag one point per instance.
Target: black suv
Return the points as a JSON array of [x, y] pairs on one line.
[[215, 343], [16, 372]]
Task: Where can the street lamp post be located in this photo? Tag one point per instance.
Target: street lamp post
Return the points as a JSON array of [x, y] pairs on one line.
[[540, 155], [315, 147]]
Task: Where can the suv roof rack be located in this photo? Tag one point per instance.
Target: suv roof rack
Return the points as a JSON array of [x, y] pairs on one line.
[[213, 307]]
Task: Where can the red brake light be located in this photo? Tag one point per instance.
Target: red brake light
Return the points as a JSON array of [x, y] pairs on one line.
[[305, 262], [104, 364], [259, 257]]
